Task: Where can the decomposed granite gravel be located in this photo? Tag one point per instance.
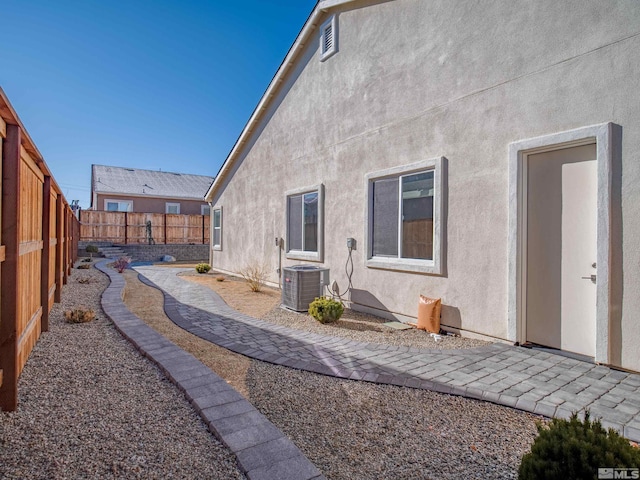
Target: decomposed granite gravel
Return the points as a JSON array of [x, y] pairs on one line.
[[358, 430], [90, 406]]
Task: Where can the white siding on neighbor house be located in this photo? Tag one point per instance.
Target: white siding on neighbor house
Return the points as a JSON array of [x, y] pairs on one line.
[[416, 80]]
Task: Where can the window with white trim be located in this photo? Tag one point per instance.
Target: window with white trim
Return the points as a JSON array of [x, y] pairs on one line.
[[329, 38], [172, 207], [404, 212], [305, 223], [217, 228], [118, 205]]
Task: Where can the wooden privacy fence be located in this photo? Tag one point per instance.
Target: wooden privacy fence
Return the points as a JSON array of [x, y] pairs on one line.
[[131, 228], [38, 245]]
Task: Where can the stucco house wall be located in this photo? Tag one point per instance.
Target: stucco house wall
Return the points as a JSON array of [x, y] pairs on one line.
[[152, 205], [413, 81]]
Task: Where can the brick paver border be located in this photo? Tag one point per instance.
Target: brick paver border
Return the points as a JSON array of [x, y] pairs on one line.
[[262, 451], [538, 382]]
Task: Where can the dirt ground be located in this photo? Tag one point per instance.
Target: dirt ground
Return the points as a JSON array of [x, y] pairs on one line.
[[147, 303], [233, 290], [236, 293]]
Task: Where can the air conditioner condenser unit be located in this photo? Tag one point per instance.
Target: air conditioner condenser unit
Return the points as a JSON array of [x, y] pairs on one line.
[[301, 284]]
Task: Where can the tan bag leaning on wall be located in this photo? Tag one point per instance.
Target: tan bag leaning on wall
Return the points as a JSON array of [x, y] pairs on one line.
[[429, 314]]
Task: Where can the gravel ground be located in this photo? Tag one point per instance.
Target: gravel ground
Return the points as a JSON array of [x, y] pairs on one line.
[[353, 325], [367, 328], [92, 407], [357, 430], [360, 430]]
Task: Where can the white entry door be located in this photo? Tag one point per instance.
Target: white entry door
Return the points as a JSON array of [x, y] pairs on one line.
[[561, 273]]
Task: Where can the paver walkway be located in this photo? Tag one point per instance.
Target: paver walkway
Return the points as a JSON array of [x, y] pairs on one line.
[[530, 380], [263, 452]]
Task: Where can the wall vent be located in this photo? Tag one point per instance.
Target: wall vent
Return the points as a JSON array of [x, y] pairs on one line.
[[328, 38], [327, 43], [301, 284]]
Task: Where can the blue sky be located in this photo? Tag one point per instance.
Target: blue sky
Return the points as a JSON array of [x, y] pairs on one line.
[[144, 84]]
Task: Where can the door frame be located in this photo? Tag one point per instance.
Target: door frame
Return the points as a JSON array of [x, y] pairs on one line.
[[601, 135]]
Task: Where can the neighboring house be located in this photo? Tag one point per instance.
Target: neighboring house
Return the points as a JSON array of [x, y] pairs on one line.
[[483, 152], [120, 189]]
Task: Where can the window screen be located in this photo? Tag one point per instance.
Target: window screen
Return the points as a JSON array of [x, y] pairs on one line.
[[294, 227], [217, 227], [385, 217]]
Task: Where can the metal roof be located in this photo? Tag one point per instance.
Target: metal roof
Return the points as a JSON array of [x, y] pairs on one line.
[[154, 183]]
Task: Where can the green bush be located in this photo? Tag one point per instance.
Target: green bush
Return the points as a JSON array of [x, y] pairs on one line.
[[91, 249], [203, 267], [326, 310], [572, 449]]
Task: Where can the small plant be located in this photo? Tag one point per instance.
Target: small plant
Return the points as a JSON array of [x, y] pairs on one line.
[[203, 268], [87, 260], [84, 280], [84, 266], [575, 449], [326, 310], [79, 315], [91, 249], [220, 278], [121, 264], [255, 274]]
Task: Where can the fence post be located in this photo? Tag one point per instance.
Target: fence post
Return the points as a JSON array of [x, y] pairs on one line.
[[46, 243], [70, 240], [165, 228], [59, 247], [9, 310], [126, 228], [203, 229], [65, 250], [76, 237]]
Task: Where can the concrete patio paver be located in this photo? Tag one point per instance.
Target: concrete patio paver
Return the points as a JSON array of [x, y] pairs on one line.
[[534, 381]]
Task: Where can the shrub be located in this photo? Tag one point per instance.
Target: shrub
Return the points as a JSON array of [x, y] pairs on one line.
[[84, 280], [203, 267], [84, 266], [87, 260], [326, 310], [220, 278], [575, 449], [255, 274], [121, 263], [91, 249], [79, 315]]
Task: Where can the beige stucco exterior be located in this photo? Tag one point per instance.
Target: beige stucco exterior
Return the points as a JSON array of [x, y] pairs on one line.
[[416, 80]]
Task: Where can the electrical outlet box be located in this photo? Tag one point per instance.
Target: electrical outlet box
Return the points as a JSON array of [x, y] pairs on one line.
[[351, 243]]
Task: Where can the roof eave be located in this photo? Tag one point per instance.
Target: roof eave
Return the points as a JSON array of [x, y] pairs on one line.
[[105, 193], [299, 44]]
